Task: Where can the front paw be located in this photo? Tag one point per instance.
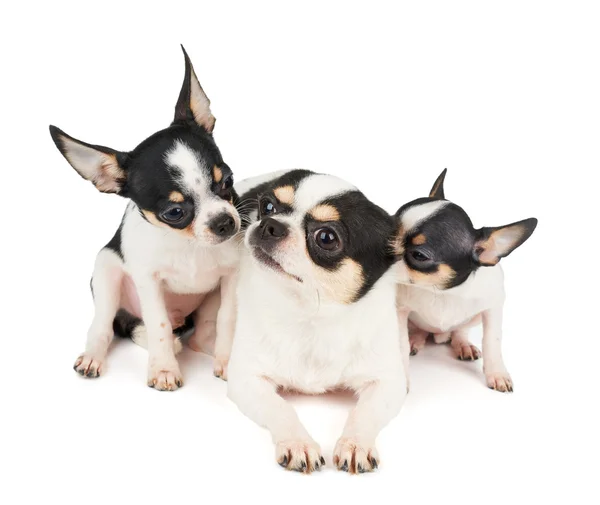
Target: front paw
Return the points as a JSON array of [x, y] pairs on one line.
[[299, 455], [165, 378], [88, 365], [499, 381], [466, 352], [354, 456], [220, 368]]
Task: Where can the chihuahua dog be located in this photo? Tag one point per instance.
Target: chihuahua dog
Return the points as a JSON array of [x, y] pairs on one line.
[[316, 312], [450, 279], [175, 243]]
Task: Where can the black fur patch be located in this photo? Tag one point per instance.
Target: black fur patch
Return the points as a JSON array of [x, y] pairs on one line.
[[115, 243], [450, 238], [364, 230]]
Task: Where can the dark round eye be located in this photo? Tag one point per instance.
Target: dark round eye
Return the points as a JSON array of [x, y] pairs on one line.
[[327, 239], [419, 256], [173, 214], [267, 207], [227, 183]]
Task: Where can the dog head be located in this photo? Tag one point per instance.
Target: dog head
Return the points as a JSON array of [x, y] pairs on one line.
[[177, 177], [317, 232], [438, 246]]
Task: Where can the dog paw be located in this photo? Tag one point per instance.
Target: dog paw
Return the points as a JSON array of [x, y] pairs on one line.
[[165, 378], [466, 352], [417, 345], [499, 381], [299, 455], [414, 349], [220, 368], [353, 456], [88, 366]]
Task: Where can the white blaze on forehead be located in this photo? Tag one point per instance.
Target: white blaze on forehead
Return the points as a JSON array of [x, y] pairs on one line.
[[189, 168], [316, 188], [252, 182], [418, 213]]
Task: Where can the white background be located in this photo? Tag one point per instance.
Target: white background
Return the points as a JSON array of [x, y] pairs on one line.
[[504, 94]]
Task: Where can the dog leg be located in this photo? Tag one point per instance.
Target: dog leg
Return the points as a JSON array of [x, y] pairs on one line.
[[163, 369], [205, 324], [379, 402], [417, 339], [496, 375], [140, 336], [257, 398], [225, 325], [461, 346], [106, 289], [405, 345]]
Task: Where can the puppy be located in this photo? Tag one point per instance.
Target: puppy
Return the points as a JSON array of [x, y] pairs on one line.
[[451, 280], [174, 243], [316, 312]]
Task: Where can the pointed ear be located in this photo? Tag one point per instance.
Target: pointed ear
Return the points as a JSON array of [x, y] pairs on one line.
[[496, 243], [437, 191], [98, 164], [193, 104]]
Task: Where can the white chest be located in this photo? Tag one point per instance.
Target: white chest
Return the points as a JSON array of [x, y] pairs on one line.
[[440, 311], [183, 265], [314, 347]]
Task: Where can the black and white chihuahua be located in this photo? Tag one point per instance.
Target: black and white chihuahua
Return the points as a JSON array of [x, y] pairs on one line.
[[316, 312], [175, 244], [442, 283]]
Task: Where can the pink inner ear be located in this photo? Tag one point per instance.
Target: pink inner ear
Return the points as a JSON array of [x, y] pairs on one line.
[[110, 176], [499, 244], [200, 105], [487, 256]]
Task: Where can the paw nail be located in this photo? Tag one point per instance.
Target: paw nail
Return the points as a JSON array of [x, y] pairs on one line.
[[360, 469], [284, 461], [374, 463], [344, 466], [322, 461]]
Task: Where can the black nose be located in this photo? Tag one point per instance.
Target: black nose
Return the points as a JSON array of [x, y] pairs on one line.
[[271, 229], [222, 225]]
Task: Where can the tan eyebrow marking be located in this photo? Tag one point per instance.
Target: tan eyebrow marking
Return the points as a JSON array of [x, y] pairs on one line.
[[217, 174], [441, 277], [176, 197], [420, 239], [325, 212], [285, 194]]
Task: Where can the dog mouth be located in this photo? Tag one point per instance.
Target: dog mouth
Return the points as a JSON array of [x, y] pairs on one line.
[[268, 261]]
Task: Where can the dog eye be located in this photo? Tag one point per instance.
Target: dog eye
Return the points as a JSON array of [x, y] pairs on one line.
[[227, 183], [224, 189], [173, 214], [267, 207], [419, 256], [327, 239]]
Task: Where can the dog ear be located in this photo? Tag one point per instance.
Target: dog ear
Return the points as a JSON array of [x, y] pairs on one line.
[[496, 243], [98, 164], [437, 191], [193, 104]]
